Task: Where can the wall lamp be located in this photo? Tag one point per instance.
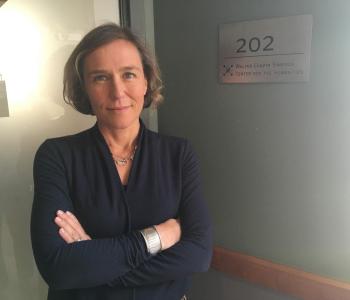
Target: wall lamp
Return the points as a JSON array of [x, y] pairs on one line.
[[4, 108]]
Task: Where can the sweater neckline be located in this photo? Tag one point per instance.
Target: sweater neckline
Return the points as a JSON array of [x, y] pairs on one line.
[[108, 155]]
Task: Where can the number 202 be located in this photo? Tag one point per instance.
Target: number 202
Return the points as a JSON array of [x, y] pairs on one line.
[[254, 44]]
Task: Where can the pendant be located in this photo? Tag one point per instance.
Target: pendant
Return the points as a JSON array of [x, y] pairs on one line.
[[121, 162]]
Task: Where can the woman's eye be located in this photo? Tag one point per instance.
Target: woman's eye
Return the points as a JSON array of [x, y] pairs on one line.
[[129, 75], [99, 78]]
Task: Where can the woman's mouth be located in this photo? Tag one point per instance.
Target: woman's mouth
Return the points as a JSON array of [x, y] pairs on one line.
[[119, 108]]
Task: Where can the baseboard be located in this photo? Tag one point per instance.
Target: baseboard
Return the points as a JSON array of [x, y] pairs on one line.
[[278, 277]]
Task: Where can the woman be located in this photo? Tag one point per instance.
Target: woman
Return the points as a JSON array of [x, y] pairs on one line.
[[109, 201]]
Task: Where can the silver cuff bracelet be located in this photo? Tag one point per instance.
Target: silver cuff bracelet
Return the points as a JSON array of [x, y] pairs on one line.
[[152, 239]]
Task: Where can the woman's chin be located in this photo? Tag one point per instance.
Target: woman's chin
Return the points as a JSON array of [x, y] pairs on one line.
[[120, 124]]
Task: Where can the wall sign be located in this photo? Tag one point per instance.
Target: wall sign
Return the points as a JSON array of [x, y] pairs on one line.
[[270, 50]]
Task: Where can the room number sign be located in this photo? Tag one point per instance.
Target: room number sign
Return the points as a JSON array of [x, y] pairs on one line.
[[270, 50]]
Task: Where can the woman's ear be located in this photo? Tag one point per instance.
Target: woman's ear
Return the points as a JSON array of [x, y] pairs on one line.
[[146, 87]]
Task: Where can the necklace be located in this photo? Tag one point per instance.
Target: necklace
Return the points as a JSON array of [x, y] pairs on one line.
[[123, 161]]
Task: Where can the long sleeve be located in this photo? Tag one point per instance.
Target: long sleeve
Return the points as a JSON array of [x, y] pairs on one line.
[[193, 252], [81, 264]]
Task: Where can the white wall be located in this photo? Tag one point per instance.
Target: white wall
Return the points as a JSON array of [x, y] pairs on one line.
[[36, 38]]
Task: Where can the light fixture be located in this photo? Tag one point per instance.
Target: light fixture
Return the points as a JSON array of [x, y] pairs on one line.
[[4, 108]]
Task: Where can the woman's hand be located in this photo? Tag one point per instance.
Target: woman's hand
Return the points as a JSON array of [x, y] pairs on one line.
[[70, 229], [169, 232]]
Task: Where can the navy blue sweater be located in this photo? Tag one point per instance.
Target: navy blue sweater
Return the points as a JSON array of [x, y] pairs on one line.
[[77, 173]]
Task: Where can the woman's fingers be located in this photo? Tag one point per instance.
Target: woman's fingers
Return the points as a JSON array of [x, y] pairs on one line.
[[69, 224], [73, 222], [65, 236], [68, 229]]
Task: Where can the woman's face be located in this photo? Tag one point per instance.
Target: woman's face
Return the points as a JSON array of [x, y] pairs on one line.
[[115, 84]]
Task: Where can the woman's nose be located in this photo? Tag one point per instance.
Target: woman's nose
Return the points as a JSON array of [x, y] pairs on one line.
[[117, 88]]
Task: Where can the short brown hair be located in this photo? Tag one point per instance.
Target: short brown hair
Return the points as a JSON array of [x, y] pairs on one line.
[[73, 84]]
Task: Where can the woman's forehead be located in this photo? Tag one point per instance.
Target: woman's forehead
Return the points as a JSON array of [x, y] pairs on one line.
[[118, 53]]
